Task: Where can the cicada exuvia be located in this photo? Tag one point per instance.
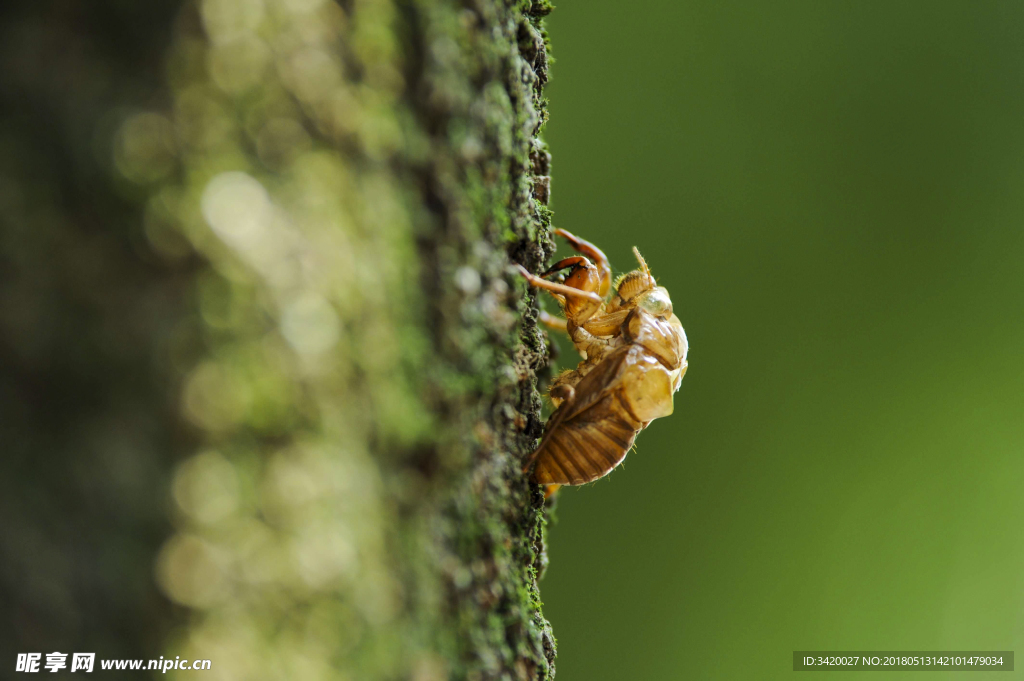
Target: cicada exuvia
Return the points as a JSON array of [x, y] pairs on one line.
[[634, 357]]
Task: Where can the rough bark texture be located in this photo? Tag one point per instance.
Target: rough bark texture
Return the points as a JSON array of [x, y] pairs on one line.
[[267, 373]]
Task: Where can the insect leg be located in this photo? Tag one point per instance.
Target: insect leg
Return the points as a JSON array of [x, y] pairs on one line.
[[552, 322], [607, 324], [600, 259], [567, 262], [562, 392], [567, 291]]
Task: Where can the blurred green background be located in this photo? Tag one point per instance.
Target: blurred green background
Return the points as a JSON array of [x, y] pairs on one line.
[[834, 195]]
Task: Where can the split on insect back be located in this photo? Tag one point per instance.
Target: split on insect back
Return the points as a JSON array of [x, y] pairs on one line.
[[634, 351]]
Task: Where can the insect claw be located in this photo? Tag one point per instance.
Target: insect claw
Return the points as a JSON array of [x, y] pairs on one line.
[[567, 262]]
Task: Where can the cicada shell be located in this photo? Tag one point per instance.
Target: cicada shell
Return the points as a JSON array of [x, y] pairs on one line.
[[634, 350]]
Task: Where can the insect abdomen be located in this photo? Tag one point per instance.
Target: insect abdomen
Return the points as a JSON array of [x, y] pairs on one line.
[[589, 445]]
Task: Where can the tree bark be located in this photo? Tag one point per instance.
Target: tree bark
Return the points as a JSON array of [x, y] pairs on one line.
[[268, 376]]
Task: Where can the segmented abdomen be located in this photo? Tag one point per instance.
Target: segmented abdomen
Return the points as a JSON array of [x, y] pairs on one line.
[[589, 445]]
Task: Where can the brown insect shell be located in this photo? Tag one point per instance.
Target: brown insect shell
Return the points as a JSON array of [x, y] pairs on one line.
[[655, 372], [663, 338], [647, 386], [585, 277], [631, 285]]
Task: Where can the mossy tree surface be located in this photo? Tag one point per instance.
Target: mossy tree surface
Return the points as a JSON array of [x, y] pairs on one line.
[[268, 374]]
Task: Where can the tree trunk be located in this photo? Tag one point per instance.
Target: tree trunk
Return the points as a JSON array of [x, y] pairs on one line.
[[267, 374]]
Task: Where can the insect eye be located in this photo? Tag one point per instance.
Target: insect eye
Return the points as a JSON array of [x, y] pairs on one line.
[[657, 302]]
